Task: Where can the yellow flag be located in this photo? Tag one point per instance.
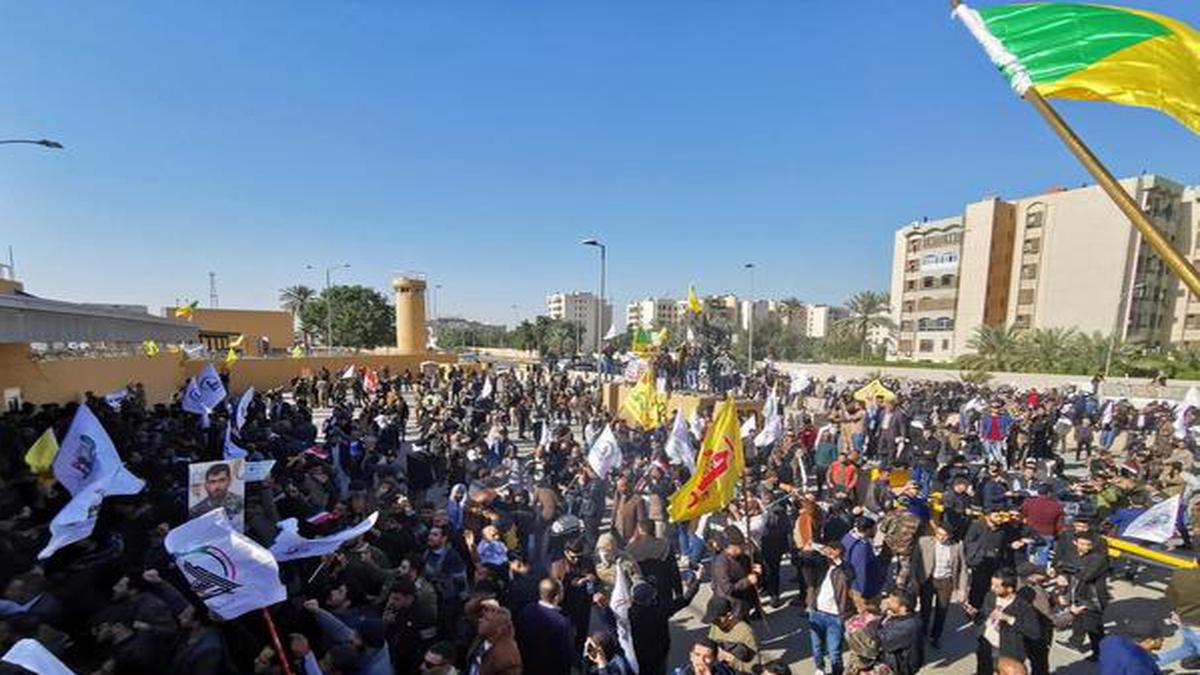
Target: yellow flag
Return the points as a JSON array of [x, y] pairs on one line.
[[41, 454], [238, 341], [693, 301], [719, 467], [873, 389], [231, 357], [297, 352], [186, 311], [640, 342], [642, 407], [150, 347], [660, 338]]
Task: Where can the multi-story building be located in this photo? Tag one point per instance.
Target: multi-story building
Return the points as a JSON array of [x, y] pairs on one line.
[[651, 313], [585, 311], [756, 309], [1061, 259]]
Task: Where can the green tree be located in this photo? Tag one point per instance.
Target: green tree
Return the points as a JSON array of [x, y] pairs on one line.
[[362, 317], [1047, 350], [997, 348], [294, 299], [866, 310], [1090, 353]]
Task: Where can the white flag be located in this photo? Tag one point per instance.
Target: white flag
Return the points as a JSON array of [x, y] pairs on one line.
[[486, 392], [772, 428], [350, 373], [87, 454], [1180, 425], [289, 545], [1156, 524], [622, 598], [114, 399], [1106, 414], [32, 656], [546, 439], [605, 454], [252, 472], [233, 450], [230, 572], [77, 519], [195, 351], [243, 407], [696, 425], [749, 426], [679, 443], [204, 392], [612, 332]]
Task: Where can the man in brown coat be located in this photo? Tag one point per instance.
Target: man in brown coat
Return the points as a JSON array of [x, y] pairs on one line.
[[495, 649], [628, 510]]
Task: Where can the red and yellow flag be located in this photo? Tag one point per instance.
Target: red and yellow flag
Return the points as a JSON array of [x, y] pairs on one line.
[[719, 467]]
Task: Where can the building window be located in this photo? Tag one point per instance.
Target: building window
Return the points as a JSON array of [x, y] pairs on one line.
[[905, 346], [948, 258], [1032, 245], [912, 265], [923, 324], [909, 305], [910, 285], [925, 346], [947, 280], [929, 260], [1029, 271], [926, 282], [1025, 296], [945, 323], [1023, 321], [1035, 219], [945, 345]]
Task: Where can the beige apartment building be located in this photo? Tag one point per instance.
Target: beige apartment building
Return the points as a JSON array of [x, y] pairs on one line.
[[591, 318], [1061, 259], [651, 313]]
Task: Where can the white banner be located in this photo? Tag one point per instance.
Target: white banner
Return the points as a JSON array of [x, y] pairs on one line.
[[228, 571], [289, 545], [749, 426], [243, 407], [87, 454], [622, 598], [679, 443], [1156, 524], [114, 399], [77, 519], [32, 656], [605, 453], [350, 373], [486, 392]]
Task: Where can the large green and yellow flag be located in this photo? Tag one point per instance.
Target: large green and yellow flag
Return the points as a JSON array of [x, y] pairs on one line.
[[1094, 53], [719, 467]]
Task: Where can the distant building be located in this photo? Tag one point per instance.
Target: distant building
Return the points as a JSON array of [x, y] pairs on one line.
[[651, 313], [1061, 259], [264, 330], [582, 309]]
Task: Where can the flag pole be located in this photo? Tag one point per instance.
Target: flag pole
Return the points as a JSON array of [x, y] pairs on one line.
[[287, 668], [1175, 260]]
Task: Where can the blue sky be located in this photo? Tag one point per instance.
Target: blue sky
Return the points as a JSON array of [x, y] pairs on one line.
[[478, 142]]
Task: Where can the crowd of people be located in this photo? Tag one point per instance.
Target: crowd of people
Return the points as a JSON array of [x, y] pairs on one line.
[[883, 519]]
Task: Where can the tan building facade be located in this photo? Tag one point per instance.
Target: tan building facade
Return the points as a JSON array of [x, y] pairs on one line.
[[651, 313], [1062, 259], [264, 330], [584, 310]]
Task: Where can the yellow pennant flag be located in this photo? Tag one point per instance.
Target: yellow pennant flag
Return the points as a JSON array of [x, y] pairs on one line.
[[150, 347], [186, 311], [693, 301], [297, 352], [238, 341], [719, 467], [642, 407], [873, 389], [660, 338], [231, 357], [41, 454]]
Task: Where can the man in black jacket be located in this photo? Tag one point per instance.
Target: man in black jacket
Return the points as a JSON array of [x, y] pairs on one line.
[[1009, 624], [988, 547], [901, 638], [733, 578]]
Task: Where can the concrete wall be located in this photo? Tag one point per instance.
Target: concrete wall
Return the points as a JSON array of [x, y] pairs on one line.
[[65, 380], [275, 325]]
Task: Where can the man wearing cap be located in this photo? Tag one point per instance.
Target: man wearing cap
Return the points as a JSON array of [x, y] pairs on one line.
[[1133, 652]]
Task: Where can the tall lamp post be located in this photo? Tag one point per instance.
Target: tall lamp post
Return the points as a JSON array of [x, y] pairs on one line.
[[600, 308], [750, 323], [329, 302], [45, 143]]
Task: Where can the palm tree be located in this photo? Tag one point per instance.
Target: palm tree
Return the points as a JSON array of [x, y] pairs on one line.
[[1047, 350], [294, 299], [866, 310], [1093, 353], [997, 348]]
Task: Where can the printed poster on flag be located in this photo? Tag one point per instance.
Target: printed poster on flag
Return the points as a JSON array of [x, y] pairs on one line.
[[218, 485]]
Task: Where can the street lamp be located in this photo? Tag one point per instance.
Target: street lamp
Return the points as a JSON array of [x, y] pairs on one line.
[[44, 142], [600, 308], [750, 324], [329, 302]]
